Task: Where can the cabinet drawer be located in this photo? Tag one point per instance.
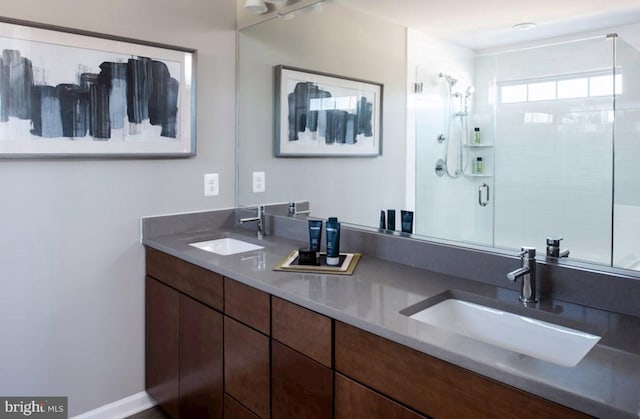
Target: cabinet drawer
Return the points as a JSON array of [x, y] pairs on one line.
[[246, 304], [355, 401], [198, 283], [301, 329], [430, 385]]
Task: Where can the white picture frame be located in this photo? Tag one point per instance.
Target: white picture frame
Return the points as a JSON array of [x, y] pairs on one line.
[[325, 115], [77, 94]]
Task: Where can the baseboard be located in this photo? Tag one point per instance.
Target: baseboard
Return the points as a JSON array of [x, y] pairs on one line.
[[122, 408]]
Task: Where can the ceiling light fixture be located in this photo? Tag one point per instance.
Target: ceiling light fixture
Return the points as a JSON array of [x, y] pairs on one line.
[[524, 26], [276, 1], [256, 6]]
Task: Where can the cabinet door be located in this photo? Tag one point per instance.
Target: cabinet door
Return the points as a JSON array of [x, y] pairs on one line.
[[246, 366], [301, 387], [162, 345], [355, 401], [234, 410], [200, 360]]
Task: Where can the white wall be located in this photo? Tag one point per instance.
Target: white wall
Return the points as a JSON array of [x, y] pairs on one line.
[[71, 264], [339, 41]]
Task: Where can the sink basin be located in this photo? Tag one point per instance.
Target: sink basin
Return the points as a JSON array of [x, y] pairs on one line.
[[539, 339], [226, 246]]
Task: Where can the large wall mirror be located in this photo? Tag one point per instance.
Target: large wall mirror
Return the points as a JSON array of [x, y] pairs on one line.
[[493, 137]]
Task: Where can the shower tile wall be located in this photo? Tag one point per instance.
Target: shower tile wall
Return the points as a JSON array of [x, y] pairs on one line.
[[445, 207]]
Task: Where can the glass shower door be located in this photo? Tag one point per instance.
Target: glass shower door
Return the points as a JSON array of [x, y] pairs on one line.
[[626, 205], [554, 147]]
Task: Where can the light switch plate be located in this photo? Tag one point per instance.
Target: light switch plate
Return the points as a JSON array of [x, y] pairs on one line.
[[259, 182], [211, 184]]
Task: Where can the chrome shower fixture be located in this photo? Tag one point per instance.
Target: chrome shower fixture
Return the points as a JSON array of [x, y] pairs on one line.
[[448, 78], [470, 90]]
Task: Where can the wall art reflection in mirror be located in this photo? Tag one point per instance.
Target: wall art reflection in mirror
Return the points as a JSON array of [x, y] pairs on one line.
[[67, 93], [324, 115]]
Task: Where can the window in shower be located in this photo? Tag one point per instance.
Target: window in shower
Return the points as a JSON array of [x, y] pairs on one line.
[[581, 86]]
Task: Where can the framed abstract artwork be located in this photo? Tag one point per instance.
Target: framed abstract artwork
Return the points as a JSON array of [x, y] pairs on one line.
[[68, 93], [324, 115]]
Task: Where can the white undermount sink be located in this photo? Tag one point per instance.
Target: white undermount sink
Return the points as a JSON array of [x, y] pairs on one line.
[[226, 246], [546, 341]]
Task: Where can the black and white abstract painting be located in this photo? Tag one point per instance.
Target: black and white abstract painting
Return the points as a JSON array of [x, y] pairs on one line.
[[324, 115], [75, 94]]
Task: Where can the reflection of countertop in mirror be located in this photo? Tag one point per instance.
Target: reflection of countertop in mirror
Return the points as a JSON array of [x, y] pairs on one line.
[[606, 383]]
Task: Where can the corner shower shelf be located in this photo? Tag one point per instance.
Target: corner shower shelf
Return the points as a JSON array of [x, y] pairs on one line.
[[478, 145], [478, 175]]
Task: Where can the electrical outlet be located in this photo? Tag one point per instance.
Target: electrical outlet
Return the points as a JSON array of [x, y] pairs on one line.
[[211, 184], [259, 181]]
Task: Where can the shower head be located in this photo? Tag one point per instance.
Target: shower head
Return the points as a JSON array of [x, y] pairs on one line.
[[448, 78]]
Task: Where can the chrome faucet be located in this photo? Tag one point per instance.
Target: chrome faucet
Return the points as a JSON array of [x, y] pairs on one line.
[[527, 271], [553, 248], [293, 210], [259, 219]]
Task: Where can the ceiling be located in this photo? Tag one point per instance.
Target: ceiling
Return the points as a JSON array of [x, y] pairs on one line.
[[481, 24]]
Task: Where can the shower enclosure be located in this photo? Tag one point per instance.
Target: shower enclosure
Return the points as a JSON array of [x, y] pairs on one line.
[[559, 149]]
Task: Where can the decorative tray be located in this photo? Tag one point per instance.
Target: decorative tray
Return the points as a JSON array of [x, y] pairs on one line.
[[347, 265]]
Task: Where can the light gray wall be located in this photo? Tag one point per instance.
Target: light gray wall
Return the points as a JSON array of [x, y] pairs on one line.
[[71, 264], [340, 41]]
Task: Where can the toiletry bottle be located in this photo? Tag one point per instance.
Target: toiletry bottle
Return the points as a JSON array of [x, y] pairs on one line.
[[476, 136], [333, 241], [407, 221], [383, 220], [391, 219], [315, 235], [479, 165]]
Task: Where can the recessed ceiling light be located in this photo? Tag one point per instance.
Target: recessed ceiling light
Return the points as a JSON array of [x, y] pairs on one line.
[[256, 6], [524, 26]]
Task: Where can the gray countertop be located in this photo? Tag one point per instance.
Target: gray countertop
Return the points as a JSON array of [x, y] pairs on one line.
[[606, 383]]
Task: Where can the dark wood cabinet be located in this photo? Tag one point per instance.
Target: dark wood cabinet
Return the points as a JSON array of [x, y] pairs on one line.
[[355, 401], [190, 279], [200, 360], [301, 387], [162, 345], [246, 366], [247, 305], [280, 360], [303, 330], [432, 386], [234, 410], [183, 339]]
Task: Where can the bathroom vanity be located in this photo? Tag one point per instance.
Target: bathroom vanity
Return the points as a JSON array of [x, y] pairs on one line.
[[227, 336]]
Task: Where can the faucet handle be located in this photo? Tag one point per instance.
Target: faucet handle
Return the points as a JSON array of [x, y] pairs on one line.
[[554, 241], [528, 252]]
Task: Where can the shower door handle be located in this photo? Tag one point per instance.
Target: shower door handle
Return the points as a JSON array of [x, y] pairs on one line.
[[483, 202]]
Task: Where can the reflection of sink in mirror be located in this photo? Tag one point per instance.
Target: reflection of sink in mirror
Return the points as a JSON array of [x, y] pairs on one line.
[[542, 340], [226, 246]]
